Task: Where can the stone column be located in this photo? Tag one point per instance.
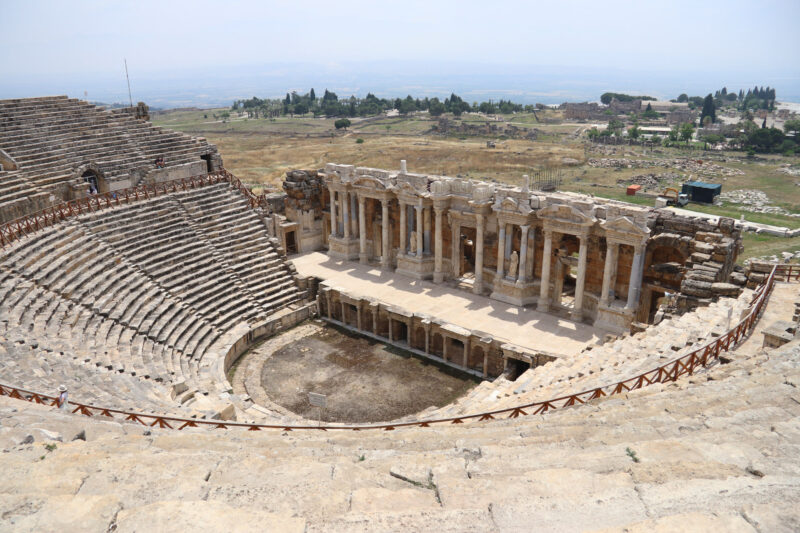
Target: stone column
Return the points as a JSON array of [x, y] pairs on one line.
[[391, 333], [501, 243], [455, 244], [334, 224], [580, 284], [485, 362], [635, 283], [374, 319], [409, 329], [346, 214], [427, 328], [438, 275], [420, 245], [386, 260], [358, 317], [426, 229], [354, 228], [547, 256], [609, 272], [403, 228], [477, 287], [362, 232], [509, 242], [344, 312], [328, 304], [444, 347], [523, 256], [465, 359]]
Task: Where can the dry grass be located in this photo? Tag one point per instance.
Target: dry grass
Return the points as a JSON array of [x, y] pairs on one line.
[[263, 159]]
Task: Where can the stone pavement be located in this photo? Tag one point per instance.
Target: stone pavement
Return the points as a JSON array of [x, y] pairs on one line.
[[524, 327]]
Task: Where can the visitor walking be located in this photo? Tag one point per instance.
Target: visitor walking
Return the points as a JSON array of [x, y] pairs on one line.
[[62, 397]]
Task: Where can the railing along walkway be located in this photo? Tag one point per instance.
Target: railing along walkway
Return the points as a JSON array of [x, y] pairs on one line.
[[671, 371], [20, 227]]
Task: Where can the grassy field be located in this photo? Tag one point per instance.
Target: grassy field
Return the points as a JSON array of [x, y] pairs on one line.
[[260, 151]]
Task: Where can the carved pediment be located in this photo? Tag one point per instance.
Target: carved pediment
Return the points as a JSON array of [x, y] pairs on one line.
[[625, 225], [565, 214], [407, 190], [368, 182], [511, 205]]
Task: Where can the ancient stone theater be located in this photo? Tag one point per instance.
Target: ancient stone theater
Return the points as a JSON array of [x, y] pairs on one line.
[[177, 351]]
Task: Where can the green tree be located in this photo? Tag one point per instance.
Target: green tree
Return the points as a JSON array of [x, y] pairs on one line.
[[683, 98], [686, 131], [435, 107], [312, 96], [634, 132], [792, 126], [342, 123], [709, 110]]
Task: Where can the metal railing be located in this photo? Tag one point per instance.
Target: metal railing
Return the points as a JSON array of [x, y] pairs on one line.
[[671, 371], [15, 229]]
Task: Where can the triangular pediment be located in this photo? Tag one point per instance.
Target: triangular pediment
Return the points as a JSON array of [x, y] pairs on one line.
[[625, 225], [369, 182], [566, 214]]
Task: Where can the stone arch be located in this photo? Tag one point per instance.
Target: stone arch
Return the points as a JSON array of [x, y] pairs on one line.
[[91, 174]]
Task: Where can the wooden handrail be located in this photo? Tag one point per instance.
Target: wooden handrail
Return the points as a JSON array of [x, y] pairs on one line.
[[671, 371]]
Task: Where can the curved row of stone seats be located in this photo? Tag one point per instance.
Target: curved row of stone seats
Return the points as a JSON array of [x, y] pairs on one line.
[[140, 290], [50, 137], [600, 365], [699, 454], [239, 235]]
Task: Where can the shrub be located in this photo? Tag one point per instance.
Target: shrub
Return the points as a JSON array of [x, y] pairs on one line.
[[359, 141]]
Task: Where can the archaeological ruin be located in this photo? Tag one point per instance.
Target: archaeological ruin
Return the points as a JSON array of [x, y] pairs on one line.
[[609, 365]]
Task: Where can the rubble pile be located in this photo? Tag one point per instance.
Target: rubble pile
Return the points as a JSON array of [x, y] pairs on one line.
[[651, 181], [695, 167], [753, 201], [788, 169]]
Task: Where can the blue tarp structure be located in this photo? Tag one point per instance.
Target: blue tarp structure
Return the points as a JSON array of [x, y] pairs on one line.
[[699, 191]]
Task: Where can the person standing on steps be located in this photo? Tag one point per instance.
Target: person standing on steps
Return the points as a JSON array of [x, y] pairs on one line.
[[62, 397]]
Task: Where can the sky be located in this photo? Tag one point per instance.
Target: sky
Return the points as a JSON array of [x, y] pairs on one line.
[[197, 47]]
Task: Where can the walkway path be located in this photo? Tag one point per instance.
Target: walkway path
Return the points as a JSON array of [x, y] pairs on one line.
[[523, 327], [780, 306]]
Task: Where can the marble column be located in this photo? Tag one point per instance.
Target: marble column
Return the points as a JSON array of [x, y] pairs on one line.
[[386, 260], [635, 283], [547, 256], [334, 223], [465, 359], [580, 284], [438, 275], [418, 229], [485, 363], [403, 228], [609, 273], [346, 214], [501, 243], [362, 232], [523, 256], [477, 286], [426, 229], [353, 217], [455, 245]]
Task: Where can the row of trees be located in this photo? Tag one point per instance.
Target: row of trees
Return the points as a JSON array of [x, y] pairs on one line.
[[755, 98], [621, 97], [330, 105]]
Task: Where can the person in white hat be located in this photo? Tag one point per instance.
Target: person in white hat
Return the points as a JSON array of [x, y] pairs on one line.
[[62, 397]]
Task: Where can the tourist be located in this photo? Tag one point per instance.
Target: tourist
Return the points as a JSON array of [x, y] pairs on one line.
[[62, 397]]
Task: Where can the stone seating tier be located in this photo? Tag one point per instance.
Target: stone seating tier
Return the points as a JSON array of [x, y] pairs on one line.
[[143, 292], [713, 452], [51, 139]]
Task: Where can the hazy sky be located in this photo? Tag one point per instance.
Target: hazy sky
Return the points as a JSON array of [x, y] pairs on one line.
[[43, 40]]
